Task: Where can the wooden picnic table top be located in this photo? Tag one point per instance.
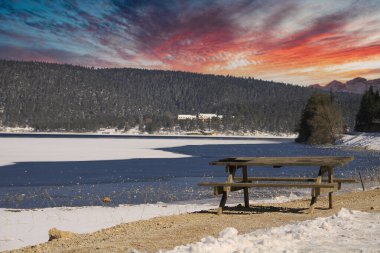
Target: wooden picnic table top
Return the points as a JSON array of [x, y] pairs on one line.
[[330, 161]]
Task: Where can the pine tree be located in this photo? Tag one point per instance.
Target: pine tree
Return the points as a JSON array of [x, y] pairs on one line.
[[321, 121], [369, 112], [72, 98]]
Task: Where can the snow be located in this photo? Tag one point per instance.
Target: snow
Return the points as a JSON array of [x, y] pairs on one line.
[[15, 149], [19, 228], [16, 129], [346, 231], [362, 140], [135, 131], [23, 227], [350, 231]]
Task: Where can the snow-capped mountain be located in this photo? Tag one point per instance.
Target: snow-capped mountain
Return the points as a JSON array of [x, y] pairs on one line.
[[358, 85]]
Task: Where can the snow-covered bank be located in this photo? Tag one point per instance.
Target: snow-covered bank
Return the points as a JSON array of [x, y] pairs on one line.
[[19, 228], [350, 229], [23, 227], [15, 149], [136, 132], [347, 231], [362, 140]]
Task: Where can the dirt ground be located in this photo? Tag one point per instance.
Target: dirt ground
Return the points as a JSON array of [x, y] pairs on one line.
[[168, 232]]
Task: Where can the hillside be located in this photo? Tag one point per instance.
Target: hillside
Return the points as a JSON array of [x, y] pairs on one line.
[[357, 85], [65, 97]]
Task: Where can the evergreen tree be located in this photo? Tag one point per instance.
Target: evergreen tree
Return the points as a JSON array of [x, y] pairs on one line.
[[72, 98], [321, 121], [369, 112]]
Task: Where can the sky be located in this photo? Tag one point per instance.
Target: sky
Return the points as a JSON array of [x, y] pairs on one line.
[[293, 41]]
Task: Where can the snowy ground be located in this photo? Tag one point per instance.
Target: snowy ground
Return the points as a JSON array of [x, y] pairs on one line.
[[20, 228], [14, 150], [347, 231], [362, 140], [135, 131]]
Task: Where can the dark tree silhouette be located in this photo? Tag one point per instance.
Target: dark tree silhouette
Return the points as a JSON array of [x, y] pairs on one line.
[[368, 117], [65, 97], [321, 121]]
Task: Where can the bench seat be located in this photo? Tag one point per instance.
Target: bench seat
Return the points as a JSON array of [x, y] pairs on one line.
[[317, 188], [295, 179], [244, 184]]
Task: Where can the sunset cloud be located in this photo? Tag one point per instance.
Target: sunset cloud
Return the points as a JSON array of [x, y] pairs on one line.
[[294, 41]]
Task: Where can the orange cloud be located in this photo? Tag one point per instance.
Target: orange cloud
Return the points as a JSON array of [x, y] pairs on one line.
[[294, 41]]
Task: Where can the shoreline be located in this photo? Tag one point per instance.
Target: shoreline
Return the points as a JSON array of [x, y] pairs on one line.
[[198, 225], [361, 141], [140, 136], [355, 140], [151, 235]]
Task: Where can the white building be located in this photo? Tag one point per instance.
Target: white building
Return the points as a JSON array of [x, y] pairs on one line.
[[208, 116], [186, 116], [201, 116]]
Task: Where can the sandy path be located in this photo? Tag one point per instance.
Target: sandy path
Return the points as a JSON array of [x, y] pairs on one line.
[[168, 232]]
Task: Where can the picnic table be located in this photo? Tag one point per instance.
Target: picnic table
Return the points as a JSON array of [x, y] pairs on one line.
[[319, 185]]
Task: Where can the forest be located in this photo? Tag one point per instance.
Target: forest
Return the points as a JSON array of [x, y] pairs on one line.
[[62, 97], [368, 117]]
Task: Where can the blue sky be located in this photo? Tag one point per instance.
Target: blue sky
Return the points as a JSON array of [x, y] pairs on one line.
[[302, 42]]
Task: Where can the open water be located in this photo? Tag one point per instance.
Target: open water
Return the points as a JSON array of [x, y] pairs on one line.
[[136, 181]]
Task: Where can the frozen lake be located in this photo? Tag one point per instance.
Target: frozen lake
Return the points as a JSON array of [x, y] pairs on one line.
[[51, 170]]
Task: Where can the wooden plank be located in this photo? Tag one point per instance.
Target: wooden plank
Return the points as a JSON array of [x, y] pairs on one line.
[[245, 177], [231, 175], [316, 191], [220, 189], [286, 161], [231, 170], [331, 180], [295, 179], [321, 191], [222, 203], [298, 185]]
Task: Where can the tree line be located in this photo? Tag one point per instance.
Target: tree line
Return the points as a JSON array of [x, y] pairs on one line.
[[64, 97], [368, 117], [322, 121]]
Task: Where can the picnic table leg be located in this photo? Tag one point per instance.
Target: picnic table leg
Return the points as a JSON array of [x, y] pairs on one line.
[[222, 203], [316, 191], [245, 179], [231, 174], [331, 180]]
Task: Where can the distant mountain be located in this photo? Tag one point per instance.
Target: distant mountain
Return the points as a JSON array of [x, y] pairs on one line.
[[358, 85], [65, 97]]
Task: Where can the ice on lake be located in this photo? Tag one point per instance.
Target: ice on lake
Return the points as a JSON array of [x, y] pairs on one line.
[[51, 172]]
